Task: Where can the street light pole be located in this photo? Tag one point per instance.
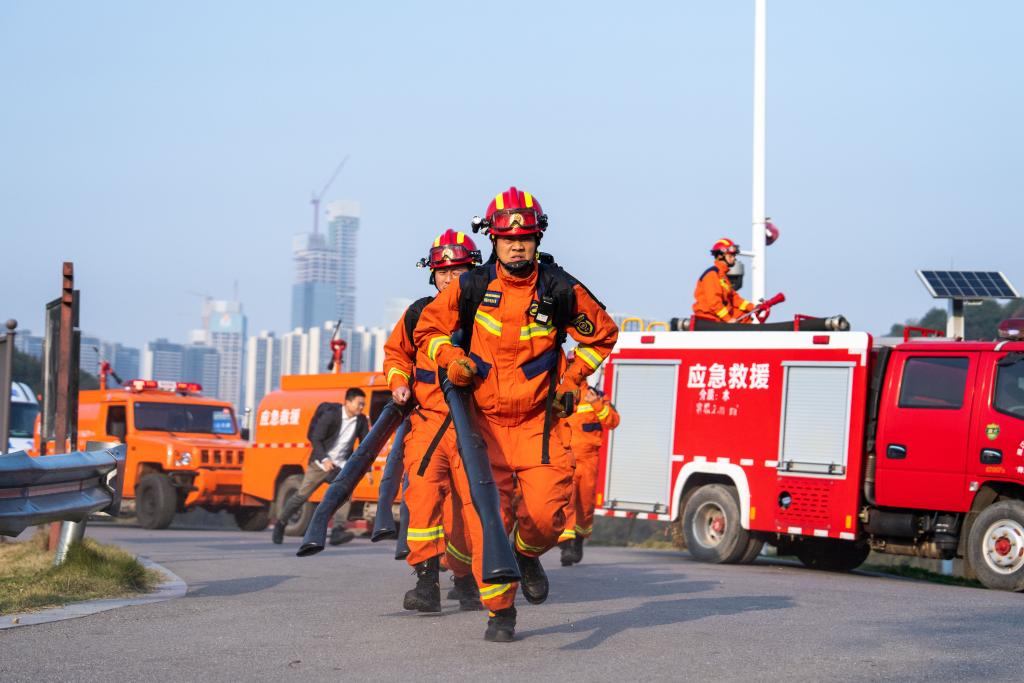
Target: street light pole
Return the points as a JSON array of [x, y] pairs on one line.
[[758, 264]]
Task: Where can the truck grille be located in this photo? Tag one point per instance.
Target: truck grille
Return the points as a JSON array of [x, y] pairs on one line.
[[219, 456]]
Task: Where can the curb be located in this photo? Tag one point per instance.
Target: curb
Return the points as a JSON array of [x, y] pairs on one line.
[[174, 587]]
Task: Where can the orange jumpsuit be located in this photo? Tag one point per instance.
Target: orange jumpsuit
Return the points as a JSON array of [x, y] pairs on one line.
[[513, 354], [433, 528], [715, 299], [585, 428]]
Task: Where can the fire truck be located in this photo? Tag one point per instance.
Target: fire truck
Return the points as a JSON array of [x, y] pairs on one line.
[[279, 452], [824, 444], [184, 449]]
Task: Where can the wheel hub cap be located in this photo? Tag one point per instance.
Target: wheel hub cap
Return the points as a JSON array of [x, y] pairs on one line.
[[1004, 546]]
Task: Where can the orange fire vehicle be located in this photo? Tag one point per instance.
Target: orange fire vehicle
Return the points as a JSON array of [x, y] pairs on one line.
[[184, 449], [279, 452]]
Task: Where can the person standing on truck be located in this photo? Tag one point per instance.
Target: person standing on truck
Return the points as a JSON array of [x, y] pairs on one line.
[[513, 315], [715, 298], [585, 428], [333, 433], [430, 449]]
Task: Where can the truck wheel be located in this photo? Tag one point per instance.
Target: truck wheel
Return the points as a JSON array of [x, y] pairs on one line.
[[711, 525], [754, 546], [156, 501], [831, 555], [252, 519], [296, 526], [995, 547]]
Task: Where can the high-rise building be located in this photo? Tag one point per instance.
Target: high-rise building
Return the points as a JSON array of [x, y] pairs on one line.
[[163, 360], [262, 367], [343, 234], [365, 352], [224, 330], [315, 290], [25, 342], [202, 364], [123, 359], [89, 355], [307, 352]]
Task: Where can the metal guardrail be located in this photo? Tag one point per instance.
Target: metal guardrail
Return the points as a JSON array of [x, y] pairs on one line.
[[51, 488]]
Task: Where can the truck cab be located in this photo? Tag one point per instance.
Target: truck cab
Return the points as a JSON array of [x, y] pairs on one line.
[[278, 455], [183, 449], [24, 409]]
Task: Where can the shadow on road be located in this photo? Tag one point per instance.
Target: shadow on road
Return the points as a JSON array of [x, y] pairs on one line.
[[661, 613], [620, 581], [228, 587]]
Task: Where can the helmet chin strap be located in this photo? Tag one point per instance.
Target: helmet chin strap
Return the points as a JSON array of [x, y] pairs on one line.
[[518, 268]]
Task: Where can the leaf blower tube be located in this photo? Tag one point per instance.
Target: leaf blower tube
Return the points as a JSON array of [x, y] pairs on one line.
[[499, 561], [384, 522], [355, 469]]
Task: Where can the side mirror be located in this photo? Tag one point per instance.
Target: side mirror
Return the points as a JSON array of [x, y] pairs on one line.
[[245, 433]]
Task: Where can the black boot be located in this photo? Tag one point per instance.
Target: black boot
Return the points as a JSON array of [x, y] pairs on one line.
[[501, 626], [426, 596], [290, 507], [341, 535], [534, 582], [568, 552], [468, 593], [578, 547], [455, 592]]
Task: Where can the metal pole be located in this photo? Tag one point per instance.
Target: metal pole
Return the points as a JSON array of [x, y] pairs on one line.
[[5, 386], [69, 531], [955, 321], [758, 265]]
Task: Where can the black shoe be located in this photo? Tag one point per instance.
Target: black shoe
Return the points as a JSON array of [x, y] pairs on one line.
[[568, 553], [468, 593], [277, 535], [578, 547], [339, 536], [534, 583], [501, 626], [426, 596]]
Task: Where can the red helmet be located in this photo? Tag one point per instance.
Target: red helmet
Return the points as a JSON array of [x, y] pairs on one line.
[[724, 246], [451, 248], [513, 212]]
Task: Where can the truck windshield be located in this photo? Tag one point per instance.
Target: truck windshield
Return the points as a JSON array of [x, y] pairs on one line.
[[183, 417], [1009, 396], [23, 419]]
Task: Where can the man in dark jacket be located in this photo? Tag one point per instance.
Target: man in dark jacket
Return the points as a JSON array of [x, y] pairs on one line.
[[333, 433]]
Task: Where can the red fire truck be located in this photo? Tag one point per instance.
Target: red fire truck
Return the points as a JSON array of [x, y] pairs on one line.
[[824, 444]]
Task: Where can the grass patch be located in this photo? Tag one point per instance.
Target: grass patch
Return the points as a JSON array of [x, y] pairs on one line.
[[29, 581], [922, 574]]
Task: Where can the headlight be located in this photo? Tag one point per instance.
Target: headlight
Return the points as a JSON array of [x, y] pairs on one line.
[[183, 460]]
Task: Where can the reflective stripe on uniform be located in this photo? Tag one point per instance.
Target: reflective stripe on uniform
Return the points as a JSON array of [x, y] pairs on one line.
[[567, 535], [589, 356], [534, 330], [584, 408], [432, 534], [494, 590], [395, 371], [522, 545], [723, 313], [489, 323], [458, 555], [583, 532], [603, 413], [435, 344]]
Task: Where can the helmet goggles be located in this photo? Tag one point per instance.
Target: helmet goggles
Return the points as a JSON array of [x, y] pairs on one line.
[[447, 255]]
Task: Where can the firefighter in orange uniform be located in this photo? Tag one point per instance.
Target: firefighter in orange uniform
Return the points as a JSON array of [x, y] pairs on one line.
[[715, 298], [429, 446], [513, 314], [585, 427]]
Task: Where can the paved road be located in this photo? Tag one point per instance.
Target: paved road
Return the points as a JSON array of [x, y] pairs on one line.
[[254, 611]]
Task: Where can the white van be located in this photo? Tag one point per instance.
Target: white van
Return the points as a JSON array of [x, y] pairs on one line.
[[24, 408]]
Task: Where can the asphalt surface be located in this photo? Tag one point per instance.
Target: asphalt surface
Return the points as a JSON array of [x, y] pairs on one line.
[[254, 611]]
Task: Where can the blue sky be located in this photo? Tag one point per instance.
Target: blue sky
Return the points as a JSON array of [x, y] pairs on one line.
[[170, 148]]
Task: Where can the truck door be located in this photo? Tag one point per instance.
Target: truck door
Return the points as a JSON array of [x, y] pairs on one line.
[[924, 430], [997, 436]]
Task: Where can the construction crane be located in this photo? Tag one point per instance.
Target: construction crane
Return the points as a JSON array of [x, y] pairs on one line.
[[315, 199]]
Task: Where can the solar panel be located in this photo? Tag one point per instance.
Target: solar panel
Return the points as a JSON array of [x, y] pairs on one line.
[[967, 284]]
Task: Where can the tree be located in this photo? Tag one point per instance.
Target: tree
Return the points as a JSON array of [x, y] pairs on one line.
[[980, 321], [29, 370]]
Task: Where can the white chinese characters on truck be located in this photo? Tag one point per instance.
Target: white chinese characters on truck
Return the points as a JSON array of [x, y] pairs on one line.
[[820, 444]]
